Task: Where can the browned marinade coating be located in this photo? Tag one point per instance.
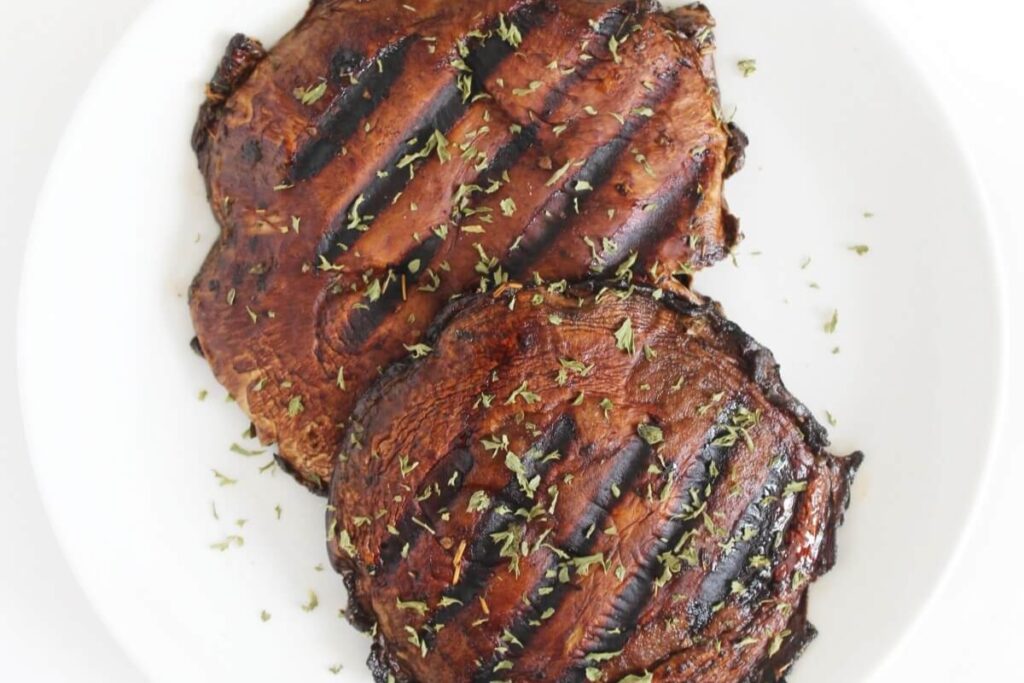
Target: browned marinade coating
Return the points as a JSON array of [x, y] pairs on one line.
[[387, 155], [584, 484]]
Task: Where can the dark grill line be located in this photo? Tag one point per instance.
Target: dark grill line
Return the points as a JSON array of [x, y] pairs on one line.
[[717, 584], [364, 320], [630, 603], [447, 108], [353, 105], [376, 196], [459, 460], [558, 213], [482, 556], [610, 24], [510, 154], [650, 229], [630, 462]]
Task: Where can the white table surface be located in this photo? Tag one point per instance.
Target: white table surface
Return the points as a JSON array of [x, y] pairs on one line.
[[970, 52]]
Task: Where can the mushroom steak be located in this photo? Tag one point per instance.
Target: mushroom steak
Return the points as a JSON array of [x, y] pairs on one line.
[[385, 156], [584, 484]]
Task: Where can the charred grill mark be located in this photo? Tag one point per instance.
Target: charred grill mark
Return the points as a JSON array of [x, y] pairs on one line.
[[646, 232], [555, 217], [363, 321], [458, 461], [445, 111], [550, 592], [634, 598], [763, 515], [345, 60], [482, 556], [508, 156], [614, 22], [629, 464], [371, 87], [346, 228], [609, 25]]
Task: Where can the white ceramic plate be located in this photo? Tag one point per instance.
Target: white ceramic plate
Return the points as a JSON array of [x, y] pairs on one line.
[[841, 126]]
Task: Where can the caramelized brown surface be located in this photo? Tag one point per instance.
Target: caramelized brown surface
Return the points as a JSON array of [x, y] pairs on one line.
[[387, 155], [572, 487]]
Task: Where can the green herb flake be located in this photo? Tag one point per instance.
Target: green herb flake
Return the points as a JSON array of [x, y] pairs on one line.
[[312, 94], [222, 546], [645, 677], [575, 367], [345, 543], [264, 616], [312, 603], [860, 249], [509, 32], [223, 479], [560, 173], [406, 466], [413, 605], [624, 337], [651, 434], [239, 450], [523, 392], [603, 656], [478, 502], [295, 406], [418, 350], [747, 66], [794, 488], [833, 323], [532, 88], [760, 562], [776, 644], [515, 465], [326, 266], [613, 48]]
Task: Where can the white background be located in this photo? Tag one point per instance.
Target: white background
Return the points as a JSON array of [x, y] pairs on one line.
[[970, 52]]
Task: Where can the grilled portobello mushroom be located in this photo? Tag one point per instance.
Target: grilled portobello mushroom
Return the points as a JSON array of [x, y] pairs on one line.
[[584, 484], [385, 156]]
